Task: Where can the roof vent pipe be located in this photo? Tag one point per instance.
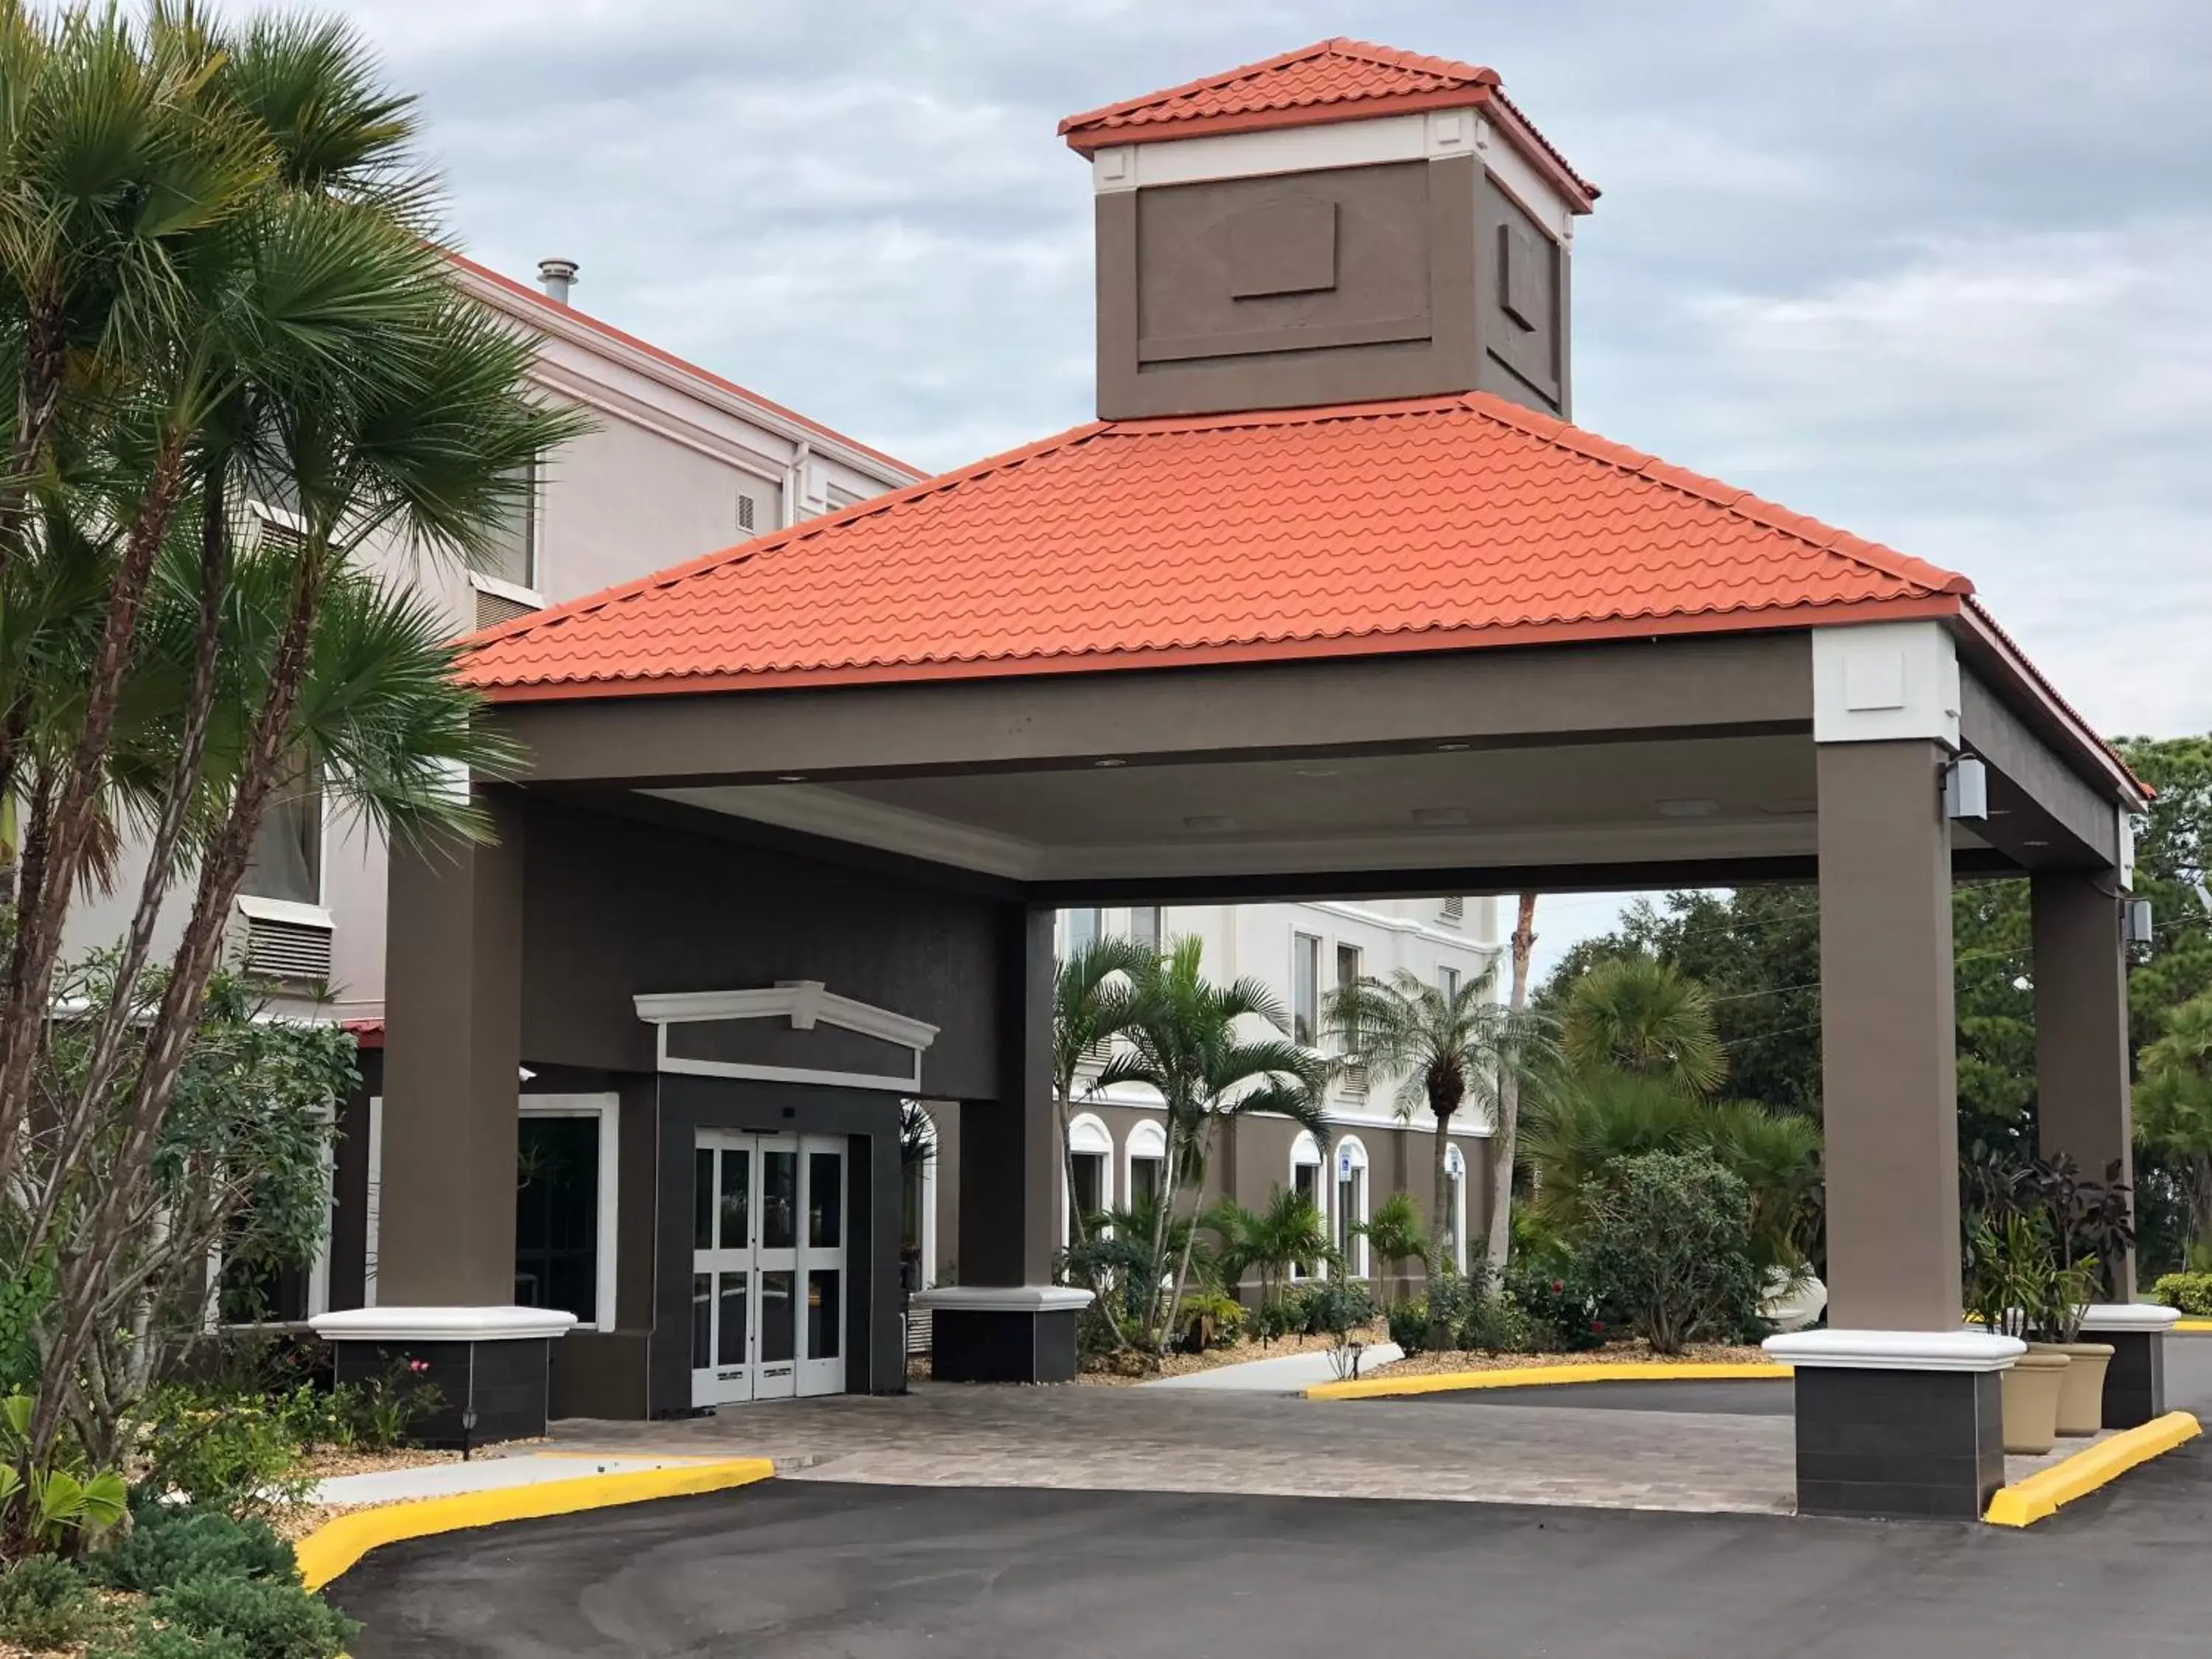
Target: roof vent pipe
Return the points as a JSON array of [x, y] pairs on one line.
[[557, 277]]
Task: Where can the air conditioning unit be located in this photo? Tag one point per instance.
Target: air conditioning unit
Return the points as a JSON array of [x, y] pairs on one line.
[[286, 941]]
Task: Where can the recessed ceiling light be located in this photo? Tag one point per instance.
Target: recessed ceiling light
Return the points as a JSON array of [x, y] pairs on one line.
[[2035, 844], [1316, 771], [1783, 809], [1110, 760], [1688, 808], [1452, 748], [1442, 817], [1210, 821], [791, 777]]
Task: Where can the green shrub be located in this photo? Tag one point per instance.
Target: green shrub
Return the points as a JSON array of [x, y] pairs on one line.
[[46, 1603], [147, 1640], [1409, 1325], [271, 1620], [1496, 1324], [234, 1452], [1669, 1241], [2191, 1292], [1225, 1311], [1338, 1307], [168, 1544], [1564, 1308]]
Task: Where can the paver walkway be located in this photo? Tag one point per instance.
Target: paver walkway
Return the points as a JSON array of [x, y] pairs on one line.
[[1292, 1373], [1198, 1441]]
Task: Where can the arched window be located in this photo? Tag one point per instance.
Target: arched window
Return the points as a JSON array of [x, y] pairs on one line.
[[1090, 1162], [1351, 1205], [1455, 1207], [1148, 1164], [1308, 1181]]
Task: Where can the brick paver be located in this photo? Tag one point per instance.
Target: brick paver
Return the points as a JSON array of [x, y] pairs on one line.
[[1156, 1440]]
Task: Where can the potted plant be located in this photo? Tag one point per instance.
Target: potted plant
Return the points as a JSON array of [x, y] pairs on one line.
[[2055, 1327], [2011, 1269]]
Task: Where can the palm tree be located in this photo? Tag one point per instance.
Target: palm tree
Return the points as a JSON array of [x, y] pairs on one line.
[[1505, 1150], [1636, 1014], [223, 286], [1186, 1039], [1288, 1234], [1395, 1236], [1090, 1005], [1444, 1048], [2174, 1106]]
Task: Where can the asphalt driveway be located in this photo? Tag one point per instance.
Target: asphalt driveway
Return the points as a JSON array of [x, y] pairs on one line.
[[797, 1570]]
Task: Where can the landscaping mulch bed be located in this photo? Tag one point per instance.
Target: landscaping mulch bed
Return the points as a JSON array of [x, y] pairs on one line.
[[1614, 1353]]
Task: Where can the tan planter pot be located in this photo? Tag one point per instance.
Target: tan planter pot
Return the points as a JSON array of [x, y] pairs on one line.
[[2081, 1396], [2030, 1400]]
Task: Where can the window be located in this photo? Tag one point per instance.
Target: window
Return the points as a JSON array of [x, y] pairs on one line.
[[1145, 927], [1448, 982], [1351, 1206], [512, 555], [1455, 1207], [564, 1202], [1347, 967], [285, 860], [1305, 988], [1084, 929], [1148, 1164], [1091, 1160], [1305, 1181]]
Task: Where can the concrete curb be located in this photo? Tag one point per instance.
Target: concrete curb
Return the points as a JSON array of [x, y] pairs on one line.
[[335, 1547], [2027, 1502], [1544, 1377]]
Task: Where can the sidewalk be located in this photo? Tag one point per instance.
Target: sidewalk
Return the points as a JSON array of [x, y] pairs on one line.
[[1294, 1373], [484, 1474]]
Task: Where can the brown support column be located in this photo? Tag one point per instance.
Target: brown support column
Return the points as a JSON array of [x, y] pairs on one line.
[[453, 1054], [2081, 1028], [1888, 1039], [1010, 1146]]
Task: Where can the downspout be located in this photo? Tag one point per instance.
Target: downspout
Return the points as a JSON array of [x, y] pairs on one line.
[[794, 484]]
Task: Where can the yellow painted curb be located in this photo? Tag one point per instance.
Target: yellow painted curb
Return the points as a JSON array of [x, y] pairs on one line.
[[2192, 1324], [333, 1547], [2025, 1502], [1544, 1376]]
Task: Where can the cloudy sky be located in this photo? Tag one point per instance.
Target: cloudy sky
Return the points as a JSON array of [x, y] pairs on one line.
[[1937, 270]]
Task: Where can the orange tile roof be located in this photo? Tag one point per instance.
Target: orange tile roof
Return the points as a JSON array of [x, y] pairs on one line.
[[669, 359], [1334, 80], [1440, 523]]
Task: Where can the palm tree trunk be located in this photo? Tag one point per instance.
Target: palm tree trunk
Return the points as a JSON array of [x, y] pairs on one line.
[[1508, 1096], [1439, 1327]]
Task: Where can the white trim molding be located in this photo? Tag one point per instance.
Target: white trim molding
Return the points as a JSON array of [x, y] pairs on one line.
[[285, 910], [1004, 1299], [1896, 1350], [514, 593], [506, 1324], [607, 1109], [2129, 1317], [806, 1003]]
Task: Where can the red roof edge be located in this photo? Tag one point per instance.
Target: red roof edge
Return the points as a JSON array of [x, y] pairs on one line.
[[367, 1033], [1984, 630], [669, 359]]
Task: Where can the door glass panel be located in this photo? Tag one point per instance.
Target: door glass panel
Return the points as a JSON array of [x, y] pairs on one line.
[[737, 1195], [702, 1316], [822, 1314], [778, 1325], [825, 1200], [730, 1342], [779, 1220], [703, 1199]]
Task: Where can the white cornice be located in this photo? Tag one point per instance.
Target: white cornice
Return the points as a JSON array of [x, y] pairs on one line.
[[507, 1324], [804, 1002], [1896, 1350]]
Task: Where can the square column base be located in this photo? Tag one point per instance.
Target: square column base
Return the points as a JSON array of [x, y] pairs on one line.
[[490, 1367], [1898, 1424], [2135, 1381], [1011, 1333]]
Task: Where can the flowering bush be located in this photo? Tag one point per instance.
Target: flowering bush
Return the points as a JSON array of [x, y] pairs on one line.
[[1564, 1308]]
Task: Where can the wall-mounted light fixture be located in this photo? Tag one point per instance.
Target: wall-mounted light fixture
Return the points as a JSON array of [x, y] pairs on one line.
[[2135, 920], [1966, 789]]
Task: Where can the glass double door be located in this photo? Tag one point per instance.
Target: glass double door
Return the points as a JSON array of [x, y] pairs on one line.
[[767, 1266]]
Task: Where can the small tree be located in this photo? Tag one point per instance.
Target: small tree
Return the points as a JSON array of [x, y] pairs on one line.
[[1290, 1231], [1444, 1049], [1091, 1006], [1636, 1014], [1670, 1241], [1395, 1235], [1210, 1052], [1505, 1150]]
